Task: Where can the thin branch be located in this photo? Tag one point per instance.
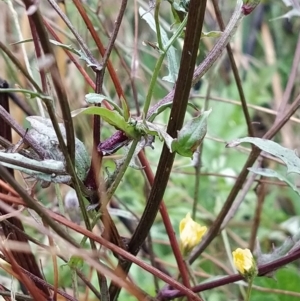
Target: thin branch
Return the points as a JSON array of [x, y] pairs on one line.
[[291, 81], [60, 90], [235, 71], [100, 47]]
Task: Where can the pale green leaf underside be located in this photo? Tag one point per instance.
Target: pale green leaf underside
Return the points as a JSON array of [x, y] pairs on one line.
[[289, 157], [171, 55], [266, 172]]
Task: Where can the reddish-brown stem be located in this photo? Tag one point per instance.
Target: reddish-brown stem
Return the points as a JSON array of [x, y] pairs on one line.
[[63, 221], [168, 226], [261, 194], [291, 81], [100, 47]]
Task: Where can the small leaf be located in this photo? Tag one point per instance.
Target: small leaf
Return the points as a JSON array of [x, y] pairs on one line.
[[68, 47], [111, 117], [94, 98], [162, 134], [288, 156], [88, 61], [191, 135], [211, 34], [266, 172]]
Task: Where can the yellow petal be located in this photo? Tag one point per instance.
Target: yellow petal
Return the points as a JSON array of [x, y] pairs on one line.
[[243, 260], [191, 233]]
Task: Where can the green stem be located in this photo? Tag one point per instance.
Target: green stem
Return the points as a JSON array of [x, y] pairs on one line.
[[156, 18], [250, 283], [121, 172], [25, 91], [75, 283], [159, 64]]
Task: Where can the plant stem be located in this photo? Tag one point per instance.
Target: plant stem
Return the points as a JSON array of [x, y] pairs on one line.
[[121, 173], [158, 67], [213, 55], [157, 26], [249, 289], [195, 21]]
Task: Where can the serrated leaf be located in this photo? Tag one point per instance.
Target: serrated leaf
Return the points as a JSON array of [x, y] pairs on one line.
[[266, 172], [288, 156], [171, 55], [94, 98], [111, 117]]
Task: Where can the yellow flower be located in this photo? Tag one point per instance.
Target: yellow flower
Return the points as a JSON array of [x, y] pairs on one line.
[[191, 233], [243, 261]]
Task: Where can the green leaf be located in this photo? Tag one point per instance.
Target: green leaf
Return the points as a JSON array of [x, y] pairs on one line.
[[191, 135], [84, 57], [126, 112], [171, 55], [266, 172], [68, 47], [94, 98], [113, 118], [30, 93], [289, 157]]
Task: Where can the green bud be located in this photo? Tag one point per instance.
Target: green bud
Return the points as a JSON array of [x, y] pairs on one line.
[[191, 135], [249, 6]]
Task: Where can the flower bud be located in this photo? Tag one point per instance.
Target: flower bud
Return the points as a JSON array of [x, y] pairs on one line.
[[191, 234], [244, 262]]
